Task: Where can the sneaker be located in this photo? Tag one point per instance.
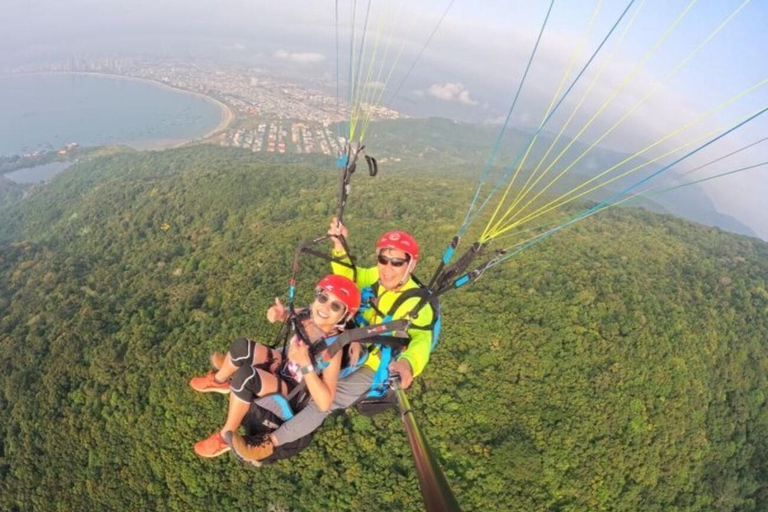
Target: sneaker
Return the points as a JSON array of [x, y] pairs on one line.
[[217, 360], [251, 453], [208, 384], [212, 447]]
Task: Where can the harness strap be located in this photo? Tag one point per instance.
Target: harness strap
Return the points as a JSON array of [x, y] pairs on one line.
[[333, 259], [397, 338], [380, 382], [387, 352], [371, 334]]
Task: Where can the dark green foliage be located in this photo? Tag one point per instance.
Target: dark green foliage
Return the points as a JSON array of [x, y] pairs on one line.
[[618, 366]]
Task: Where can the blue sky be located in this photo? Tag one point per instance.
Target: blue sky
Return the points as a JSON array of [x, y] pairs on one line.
[[474, 63]]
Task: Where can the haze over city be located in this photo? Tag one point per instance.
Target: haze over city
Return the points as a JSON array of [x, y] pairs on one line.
[[471, 67]]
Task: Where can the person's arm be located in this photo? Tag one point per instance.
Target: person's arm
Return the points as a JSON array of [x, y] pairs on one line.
[[322, 390], [418, 351], [415, 357], [365, 276]]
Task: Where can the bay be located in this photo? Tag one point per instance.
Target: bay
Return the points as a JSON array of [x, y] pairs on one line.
[[37, 174], [47, 110]]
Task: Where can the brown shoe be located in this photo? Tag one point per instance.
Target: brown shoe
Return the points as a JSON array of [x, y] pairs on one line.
[[253, 454], [217, 360], [212, 447]]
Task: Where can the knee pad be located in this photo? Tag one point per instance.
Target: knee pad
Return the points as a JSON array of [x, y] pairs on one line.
[[246, 383], [241, 351]]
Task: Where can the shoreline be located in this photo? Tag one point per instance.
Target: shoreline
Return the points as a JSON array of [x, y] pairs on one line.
[[228, 116]]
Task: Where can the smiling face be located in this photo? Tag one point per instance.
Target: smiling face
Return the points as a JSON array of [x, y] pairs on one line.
[[327, 311], [390, 275]]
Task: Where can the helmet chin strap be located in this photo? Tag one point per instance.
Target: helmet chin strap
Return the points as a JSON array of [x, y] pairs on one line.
[[408, 271], [346, 318]]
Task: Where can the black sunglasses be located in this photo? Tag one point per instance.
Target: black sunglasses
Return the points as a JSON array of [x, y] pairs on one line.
[[395, 262], [336, 306]]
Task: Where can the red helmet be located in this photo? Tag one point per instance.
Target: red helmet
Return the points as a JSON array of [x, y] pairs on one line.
[[343, 288], [399, 240]]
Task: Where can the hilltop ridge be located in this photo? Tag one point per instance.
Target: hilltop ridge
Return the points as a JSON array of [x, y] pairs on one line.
[[620, 365]]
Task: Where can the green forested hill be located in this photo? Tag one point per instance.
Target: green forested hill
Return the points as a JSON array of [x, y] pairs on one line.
[[438, 146], [9, 191], [619, 366]]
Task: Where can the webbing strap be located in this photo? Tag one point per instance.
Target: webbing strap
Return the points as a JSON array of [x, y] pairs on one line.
[[380, 383], [322, 353], [372, 334], [332, 259]]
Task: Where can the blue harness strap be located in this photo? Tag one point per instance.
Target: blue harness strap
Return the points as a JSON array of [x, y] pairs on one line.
[[367, 296], [277, 404], [436, 332], [380, 383]]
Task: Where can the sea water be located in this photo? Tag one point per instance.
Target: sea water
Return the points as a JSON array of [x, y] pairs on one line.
[[46, 111]]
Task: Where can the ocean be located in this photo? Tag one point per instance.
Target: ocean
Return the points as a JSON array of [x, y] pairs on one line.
[[46, 111]]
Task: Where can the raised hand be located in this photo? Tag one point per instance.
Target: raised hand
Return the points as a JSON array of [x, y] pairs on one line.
[[277, 312], [335, 230]]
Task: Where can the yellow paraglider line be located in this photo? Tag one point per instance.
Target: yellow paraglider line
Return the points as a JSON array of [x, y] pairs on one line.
[[505, 255], [378, 92], [639, 195], [356, 81], [561, 201], [369, 89], [363, 84], [524, 190], [572, 62], [627, 114], [385, 83], [627, 79], [473, 213], [351, 86]]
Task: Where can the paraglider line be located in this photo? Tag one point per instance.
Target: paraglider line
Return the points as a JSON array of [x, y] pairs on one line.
[[723, 157], [423, 48], [624, 192], [497, 144], [564, 199], [625, 116], [625, 81], [504, 178]]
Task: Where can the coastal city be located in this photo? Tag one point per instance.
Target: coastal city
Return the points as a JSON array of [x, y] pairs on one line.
[[282, 137], [263, 113]]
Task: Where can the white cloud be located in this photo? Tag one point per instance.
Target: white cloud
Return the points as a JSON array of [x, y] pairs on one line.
[[300, 58], [452, 92]]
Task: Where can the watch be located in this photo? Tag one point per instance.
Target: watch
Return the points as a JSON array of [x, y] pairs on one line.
[[307, 369]]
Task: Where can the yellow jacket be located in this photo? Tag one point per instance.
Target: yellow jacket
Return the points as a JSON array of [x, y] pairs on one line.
[[420, 344]]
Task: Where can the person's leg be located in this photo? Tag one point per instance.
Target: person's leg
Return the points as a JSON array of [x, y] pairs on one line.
[[248, 383], [241, 353], [348, 390], [267, 356]]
